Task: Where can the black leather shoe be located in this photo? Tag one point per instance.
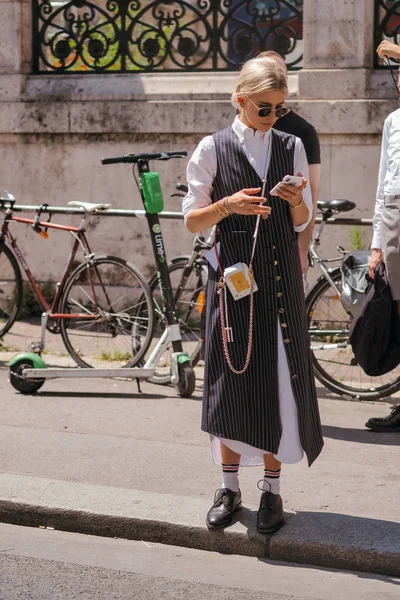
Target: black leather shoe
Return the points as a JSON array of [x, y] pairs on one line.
[[225, 504], [270, 514], [386, 424]]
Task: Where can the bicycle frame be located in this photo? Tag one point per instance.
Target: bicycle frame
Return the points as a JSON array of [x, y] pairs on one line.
[[200, 245], [80, 241], [314, 256]]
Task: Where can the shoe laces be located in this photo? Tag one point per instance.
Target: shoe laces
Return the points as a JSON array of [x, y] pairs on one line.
[[395, 410], [261, 483], [221, 497]]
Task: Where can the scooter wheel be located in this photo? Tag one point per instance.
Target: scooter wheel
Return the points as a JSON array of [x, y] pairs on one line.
[[187, 381], [25, 386]]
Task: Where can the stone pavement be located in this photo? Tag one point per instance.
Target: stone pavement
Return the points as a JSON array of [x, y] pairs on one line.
[[95, 456]]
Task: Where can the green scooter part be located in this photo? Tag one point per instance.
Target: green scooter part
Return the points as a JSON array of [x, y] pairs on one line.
[[183, 358], [152, 194], [37, 361], [27, 360]]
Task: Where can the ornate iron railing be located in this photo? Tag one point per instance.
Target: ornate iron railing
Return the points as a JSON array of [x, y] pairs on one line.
[[183, 35], [387, 26]]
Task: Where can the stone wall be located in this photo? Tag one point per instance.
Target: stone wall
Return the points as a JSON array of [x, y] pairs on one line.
[[55, 129]]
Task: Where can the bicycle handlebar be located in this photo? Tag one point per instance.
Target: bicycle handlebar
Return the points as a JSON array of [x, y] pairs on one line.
[[182, 187], [143, 157]]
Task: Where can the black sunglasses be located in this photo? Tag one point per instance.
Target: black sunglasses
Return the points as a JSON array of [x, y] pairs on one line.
[[267, 110], [387, 62]]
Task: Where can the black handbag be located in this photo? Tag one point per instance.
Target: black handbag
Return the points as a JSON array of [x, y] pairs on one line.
[[375, 332]]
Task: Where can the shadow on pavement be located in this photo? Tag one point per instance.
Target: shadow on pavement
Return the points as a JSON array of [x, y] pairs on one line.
[[341, 541], [325, 394], [130, 395], [361, 436]]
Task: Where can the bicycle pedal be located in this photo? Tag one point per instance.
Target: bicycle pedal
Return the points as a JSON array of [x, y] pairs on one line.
[[36, 347]]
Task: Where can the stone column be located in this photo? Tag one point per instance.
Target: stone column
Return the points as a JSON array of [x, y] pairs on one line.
[[15, 43], [338, 54]]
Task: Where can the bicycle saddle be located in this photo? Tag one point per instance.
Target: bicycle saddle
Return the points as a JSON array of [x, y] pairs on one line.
[[339, 205], [89, 206]]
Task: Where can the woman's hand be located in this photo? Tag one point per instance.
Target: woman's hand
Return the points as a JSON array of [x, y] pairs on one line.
[[292, 194], [388, 49], [374, 260], [246, 203]]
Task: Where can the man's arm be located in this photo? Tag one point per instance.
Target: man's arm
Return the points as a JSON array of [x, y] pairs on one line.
[[305, 236], [376, 251]]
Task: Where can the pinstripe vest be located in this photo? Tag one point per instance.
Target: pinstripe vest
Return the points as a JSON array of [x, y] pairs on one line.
[[246, 407]]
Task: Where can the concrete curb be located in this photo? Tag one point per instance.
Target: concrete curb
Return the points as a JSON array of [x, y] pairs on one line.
[[228, 541], [322, 539]]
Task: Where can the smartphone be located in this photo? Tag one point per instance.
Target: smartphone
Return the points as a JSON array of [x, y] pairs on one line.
[[288, 180]]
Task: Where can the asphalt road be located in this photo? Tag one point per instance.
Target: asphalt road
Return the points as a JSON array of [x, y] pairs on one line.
[[40, 564]]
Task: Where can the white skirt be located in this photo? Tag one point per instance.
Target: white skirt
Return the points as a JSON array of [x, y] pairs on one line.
[[290, 450]]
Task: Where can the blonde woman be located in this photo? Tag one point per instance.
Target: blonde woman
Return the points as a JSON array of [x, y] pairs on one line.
[[259, 404]]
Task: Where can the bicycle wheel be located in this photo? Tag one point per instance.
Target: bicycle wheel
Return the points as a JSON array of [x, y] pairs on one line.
[[10, 289], [335, 365], [189, 302], [120, 319]]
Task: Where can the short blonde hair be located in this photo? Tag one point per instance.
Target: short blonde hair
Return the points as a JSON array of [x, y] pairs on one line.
[[258, 76]]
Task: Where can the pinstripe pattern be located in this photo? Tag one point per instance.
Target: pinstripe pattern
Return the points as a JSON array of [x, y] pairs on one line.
[[246, 407]]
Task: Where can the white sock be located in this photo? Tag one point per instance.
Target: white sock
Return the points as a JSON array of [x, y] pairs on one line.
[[271, 482], [230, 477]]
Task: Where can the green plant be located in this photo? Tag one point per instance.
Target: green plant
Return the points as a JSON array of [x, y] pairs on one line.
[[356, 235], [118, 356], [30, 307], [4, 348]]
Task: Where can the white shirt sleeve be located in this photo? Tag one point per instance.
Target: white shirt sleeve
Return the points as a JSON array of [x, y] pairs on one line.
[[380, 192], [200, 174], [301, 166]]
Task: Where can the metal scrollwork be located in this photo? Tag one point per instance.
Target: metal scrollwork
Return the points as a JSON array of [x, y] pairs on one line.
[[168, 35], [387, 24]]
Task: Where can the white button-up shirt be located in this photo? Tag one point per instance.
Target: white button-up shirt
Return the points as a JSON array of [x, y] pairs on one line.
[[389, 170], [202, 167]]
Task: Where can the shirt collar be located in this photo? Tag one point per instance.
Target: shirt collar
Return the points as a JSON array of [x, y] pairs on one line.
[[245, 133]]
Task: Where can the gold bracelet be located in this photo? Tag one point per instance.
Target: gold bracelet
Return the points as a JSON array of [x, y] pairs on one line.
[[218, 210], [222, 208], [227, 208], [297, 205]]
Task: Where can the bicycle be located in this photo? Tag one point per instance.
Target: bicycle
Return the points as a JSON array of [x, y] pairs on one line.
[[102, 307], [28, 371], [333, 360]]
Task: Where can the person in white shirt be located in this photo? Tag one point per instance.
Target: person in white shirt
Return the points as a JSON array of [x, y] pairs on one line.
[[259, 399], [386, 222]]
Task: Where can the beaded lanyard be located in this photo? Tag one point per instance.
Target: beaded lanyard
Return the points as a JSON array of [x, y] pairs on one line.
[[226, 331]]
